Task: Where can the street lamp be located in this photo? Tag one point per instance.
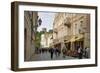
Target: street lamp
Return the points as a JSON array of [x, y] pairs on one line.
[[39, 22]]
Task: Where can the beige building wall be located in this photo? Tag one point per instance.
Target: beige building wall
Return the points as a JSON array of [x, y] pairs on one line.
[[30, 19], [46, 40], [34, 29], [68, 26], [61, 31], [50, 40], [81, 26]]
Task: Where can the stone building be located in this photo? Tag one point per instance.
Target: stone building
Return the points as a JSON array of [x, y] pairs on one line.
[[71, 30], [30, 21], [61, 33], [46, 39], [80, 31]]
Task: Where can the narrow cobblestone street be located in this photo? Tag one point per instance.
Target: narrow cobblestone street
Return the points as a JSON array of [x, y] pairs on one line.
[[46, 56]]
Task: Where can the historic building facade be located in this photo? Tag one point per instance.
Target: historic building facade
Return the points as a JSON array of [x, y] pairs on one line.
[[80, 31], [30, 21], [46, 40], [61, 33], [71, 30]]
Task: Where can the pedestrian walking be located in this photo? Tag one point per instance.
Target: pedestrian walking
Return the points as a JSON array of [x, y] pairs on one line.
[[51, 52], [59, 52], [80, 52], [64, 51], [84, 52], [87, 52], [56, 53]]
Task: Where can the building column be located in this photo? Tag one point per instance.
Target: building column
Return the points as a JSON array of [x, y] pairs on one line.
[[86, 40]]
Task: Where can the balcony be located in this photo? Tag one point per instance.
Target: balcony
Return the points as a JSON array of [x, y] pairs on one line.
[[67, 22], [81, 31], [55, 41], [55, 31]]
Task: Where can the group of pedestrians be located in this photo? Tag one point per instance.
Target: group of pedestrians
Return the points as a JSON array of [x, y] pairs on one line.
[[54, 51], [83, 52], [87, 52], [41, 50]]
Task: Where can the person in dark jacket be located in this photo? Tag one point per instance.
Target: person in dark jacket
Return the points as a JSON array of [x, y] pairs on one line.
[[51, 52]]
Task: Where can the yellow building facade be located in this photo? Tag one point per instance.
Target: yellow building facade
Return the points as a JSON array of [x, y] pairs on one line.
[[71, 30]]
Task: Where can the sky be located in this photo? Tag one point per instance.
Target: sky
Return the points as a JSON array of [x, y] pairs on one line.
[[47, 20]]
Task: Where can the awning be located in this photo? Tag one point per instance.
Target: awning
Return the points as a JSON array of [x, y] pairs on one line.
[[67, 41], [74, 38], [79, 37]]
